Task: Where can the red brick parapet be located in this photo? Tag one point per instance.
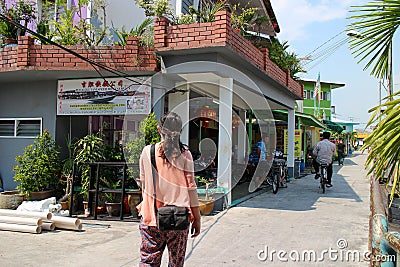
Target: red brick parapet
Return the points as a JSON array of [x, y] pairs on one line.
[[28, 56], [219, 33]]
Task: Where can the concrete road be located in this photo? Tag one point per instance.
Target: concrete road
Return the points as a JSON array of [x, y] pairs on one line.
[[299, 226]]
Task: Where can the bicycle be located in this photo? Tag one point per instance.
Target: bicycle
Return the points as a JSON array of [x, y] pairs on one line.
[[324, 176], [277, 175]]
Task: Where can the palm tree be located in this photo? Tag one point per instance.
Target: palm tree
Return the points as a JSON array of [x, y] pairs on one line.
[[377, 22]]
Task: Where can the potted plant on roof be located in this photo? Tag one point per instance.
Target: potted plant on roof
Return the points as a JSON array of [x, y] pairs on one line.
[[206, 200], [38, 169]]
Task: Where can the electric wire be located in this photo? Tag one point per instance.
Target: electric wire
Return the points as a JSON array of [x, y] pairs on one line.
[[93, 63], [329, 49], [323, 51], [309, 54], [324, 57]]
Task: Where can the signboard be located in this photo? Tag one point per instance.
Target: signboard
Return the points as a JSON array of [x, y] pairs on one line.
[[108, 96], [297, 143]]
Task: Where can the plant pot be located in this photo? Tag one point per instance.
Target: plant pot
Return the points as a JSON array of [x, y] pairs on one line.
[[86, 209], [206, 206], [134, 200], [113, 209], [64, 205], [10, 199], [40, 195], [10, 41]]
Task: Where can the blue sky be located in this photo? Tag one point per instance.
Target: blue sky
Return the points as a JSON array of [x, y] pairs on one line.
[[306, 25]]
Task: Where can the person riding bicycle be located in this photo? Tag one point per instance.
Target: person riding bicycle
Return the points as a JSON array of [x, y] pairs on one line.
[[324, 151]]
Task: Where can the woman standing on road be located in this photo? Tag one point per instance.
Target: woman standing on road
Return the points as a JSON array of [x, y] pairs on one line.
[[175, 186]]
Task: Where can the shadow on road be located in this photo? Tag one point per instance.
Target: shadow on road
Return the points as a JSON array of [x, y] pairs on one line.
[[302, 194]]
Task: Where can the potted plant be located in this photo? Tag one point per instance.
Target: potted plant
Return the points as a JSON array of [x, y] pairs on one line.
[[66, 175], [113, 204], [148, 134], [38, 168], [206, 203], [20, 12], [157, 8], [88, 149]]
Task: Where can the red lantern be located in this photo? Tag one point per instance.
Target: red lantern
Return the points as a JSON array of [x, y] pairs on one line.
[[206, 113], [205, 124]]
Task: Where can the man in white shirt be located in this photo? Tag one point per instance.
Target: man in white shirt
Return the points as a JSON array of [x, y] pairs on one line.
[[324, 151]]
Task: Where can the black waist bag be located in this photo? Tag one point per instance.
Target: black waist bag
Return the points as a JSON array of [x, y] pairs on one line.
[[168, 217], [172, 218]]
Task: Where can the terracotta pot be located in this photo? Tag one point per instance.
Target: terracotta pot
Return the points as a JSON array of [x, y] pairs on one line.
[[206, 206], [40, 195], [86, 208], [134, 200], [8, 41], [64, 205]]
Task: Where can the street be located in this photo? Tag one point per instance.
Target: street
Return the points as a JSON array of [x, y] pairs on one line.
[[299, 226]]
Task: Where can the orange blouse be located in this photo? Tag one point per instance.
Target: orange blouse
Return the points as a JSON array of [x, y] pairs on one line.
[[175, 184]]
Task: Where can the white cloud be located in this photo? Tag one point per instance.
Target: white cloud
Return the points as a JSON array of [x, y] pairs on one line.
[[294, 16]]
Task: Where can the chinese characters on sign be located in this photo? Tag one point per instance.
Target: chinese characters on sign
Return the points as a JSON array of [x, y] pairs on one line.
[[108, 96]]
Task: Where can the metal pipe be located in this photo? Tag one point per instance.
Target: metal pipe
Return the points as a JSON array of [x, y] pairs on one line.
[[378, 228]]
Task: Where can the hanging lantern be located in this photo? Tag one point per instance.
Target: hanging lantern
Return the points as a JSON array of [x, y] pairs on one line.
[[206, 113], [235, 121], [205, 124]]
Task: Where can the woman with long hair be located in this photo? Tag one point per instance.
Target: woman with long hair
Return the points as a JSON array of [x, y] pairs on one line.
[[175, 186]]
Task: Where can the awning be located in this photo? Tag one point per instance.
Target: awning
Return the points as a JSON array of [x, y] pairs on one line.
[[305, 119], [333, 126]]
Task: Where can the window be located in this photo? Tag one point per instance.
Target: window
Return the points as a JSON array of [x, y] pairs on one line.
[[186, 6], [20, 127], [305, 94]]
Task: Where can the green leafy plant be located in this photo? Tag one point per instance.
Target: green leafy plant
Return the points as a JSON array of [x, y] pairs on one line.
[[65, 32], [384, 158], [157, 8], [282, 58], [144, 32], [243, 17], [148, 134], [39, 167], [85, 31], [111, 184], [88, 149], [208, 184], [186, 19], [376, 23], [207, 11], [20, 12]]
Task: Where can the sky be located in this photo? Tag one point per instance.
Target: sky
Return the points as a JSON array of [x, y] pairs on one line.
[[309, 25]]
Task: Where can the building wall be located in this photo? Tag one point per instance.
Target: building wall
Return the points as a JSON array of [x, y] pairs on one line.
[[24, 100], [309, 102]]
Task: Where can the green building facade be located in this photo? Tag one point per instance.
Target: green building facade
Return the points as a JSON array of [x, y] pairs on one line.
[[321, 109]]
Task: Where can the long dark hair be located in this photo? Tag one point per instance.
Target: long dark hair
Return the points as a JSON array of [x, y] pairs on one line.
[[170, 126]]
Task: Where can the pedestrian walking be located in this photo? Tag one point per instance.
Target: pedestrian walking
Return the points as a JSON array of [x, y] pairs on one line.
[[172, 187], [340, 151]]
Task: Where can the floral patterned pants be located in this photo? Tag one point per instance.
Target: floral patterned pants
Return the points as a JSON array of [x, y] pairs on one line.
[[154, 242]]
